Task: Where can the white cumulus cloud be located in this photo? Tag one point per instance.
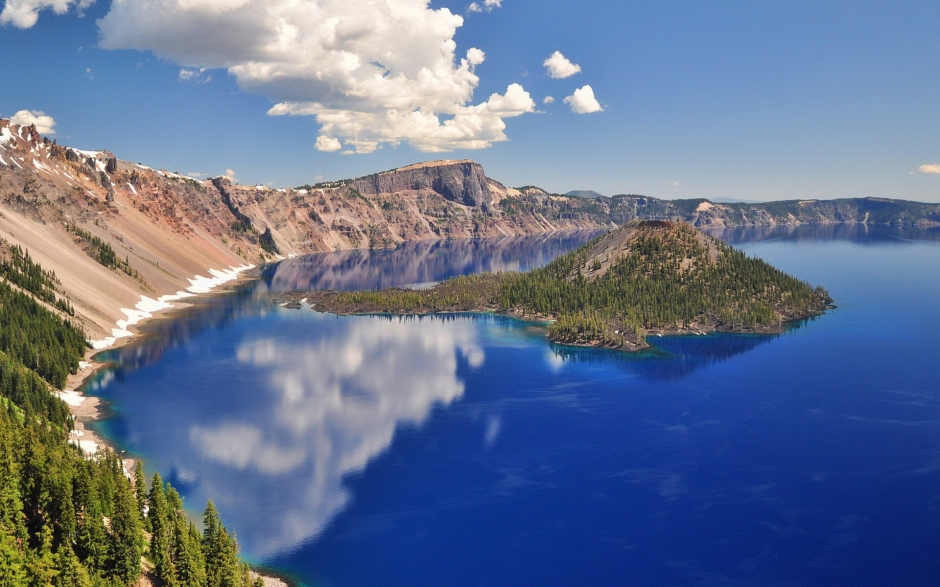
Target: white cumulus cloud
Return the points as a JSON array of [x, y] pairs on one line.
[[44, 123], [583, 101], [487, 5], [328, 144], [371, 73], [559, 67], [933, 168], [548, 100], [24, 13]]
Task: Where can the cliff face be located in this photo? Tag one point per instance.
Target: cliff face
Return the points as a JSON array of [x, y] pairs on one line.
[[462, 182], [706, 214], [435, 200]]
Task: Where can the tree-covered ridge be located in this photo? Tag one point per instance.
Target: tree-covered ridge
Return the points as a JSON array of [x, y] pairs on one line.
[[657, 276], [67, 520], [18, 268], [645, 276], [37, 337]]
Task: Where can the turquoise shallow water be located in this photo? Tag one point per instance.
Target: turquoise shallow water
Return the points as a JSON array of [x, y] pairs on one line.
[[469, 451]]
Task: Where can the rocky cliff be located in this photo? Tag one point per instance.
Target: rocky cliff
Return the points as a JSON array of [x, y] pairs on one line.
[[158, 229], [434, 200], [462, 182], [114, 230]]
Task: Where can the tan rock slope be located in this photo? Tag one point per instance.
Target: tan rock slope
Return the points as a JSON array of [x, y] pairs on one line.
[[70, 208]]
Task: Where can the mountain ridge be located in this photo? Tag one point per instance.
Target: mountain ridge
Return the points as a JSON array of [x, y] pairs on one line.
[[157, 230]]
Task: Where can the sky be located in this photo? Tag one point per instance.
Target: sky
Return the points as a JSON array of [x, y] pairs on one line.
[[673, 99]]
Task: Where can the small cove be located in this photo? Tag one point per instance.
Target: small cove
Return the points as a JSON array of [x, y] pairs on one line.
[[466, 450]]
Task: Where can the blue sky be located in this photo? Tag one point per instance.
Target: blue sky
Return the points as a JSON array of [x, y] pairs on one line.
[[746, 100]]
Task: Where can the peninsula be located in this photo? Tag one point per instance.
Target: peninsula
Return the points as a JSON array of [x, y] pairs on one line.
[[646, 277]]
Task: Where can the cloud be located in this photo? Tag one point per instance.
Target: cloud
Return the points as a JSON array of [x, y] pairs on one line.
[[371, 74], [25, 13], [43, 122], [230, 174], [337, 401], [559, 67], [583, 101], [933, 168], [488, 6], [548, 100], [195, 75], [328, 144]]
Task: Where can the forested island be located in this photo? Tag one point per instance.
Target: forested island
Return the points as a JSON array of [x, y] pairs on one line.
[[646, 277], [67, 519]]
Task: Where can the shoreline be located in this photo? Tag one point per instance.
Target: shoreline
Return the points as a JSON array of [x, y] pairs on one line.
[[323, 301], [86, 409]]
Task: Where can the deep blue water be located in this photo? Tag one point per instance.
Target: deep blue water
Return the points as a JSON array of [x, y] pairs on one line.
[[468, 451]]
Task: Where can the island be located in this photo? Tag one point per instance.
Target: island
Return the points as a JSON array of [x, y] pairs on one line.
[[645, 277]]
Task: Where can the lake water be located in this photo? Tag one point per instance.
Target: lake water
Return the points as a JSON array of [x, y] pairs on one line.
[[468, 451]]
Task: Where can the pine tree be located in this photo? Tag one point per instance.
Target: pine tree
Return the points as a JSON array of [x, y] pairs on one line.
[[140, 490], [125, 537], [159, 517]]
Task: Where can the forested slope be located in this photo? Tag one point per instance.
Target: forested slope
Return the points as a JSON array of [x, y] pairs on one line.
[[646, 276], [67, 520]]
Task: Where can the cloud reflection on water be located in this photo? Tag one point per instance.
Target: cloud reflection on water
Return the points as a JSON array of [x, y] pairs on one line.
[[337, 402]]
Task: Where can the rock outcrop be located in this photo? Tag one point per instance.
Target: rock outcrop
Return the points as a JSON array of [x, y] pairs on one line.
[[462, 182]]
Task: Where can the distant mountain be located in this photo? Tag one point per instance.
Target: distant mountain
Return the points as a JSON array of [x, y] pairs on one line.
[[731, 201], [585, 194]]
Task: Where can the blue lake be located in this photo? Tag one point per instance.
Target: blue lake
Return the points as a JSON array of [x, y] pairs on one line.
[[468, 451]]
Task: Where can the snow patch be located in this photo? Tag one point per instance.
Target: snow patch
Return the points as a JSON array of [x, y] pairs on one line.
[[89, 447], [130, 185], [146, 307], [86, 154], [72, 398], [5, 136]]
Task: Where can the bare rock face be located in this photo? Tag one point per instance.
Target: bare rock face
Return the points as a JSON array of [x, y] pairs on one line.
[[458, 181]]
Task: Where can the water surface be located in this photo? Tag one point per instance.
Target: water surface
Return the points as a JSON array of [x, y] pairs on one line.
[[469, 451]]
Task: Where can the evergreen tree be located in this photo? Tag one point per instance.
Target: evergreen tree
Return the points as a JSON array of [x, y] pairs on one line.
[[159, 518], [125, 537], [12, 564], [140, 490]]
